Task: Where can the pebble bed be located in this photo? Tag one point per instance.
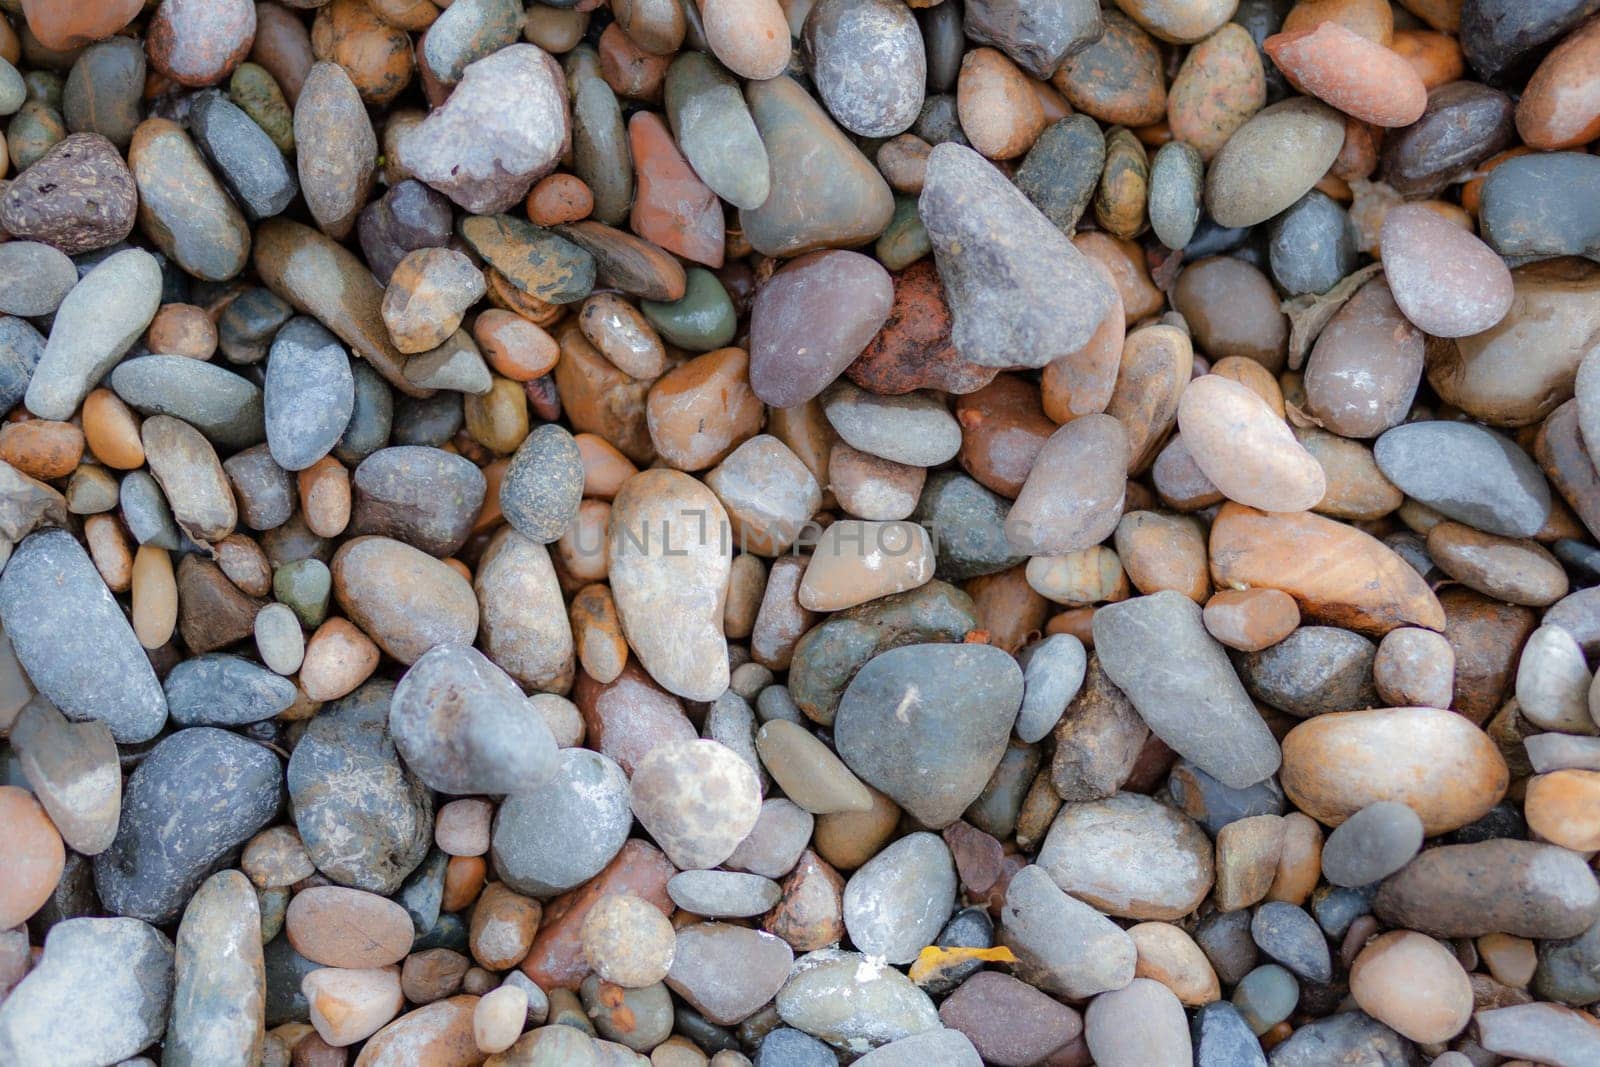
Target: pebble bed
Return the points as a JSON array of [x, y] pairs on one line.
[[790, 533]]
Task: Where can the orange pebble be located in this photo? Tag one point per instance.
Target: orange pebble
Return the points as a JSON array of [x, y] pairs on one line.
[[463, 881], [515, 348], [559, 198], [339, 657], [325, 497], [111, 430], [604, 468], [182, 330], [1436, 57], [41, 448]]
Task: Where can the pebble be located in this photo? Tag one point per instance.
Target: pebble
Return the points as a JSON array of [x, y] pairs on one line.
[[183, 206], [1494, 886], [897, 902], [885, 101], [823, 191], [1464, 123], [537, 847], [808, 772], [997, 296], [1300, 138], [1065, 946], [73, 771], [1372, 844], [92, 666], [1413, 984], [251, 164], [364, 818], [727, 972], [1053, 674], [1087, 854], [669, 572], [1517, 222], [1142, 1023], [1312, 245], [408, 602], [959, 727], [1232, 310], [427, 295], [1221, 1036], [348, 1005], [1073, 496], [342, 927], [1545, 1032], [99, 993], [1315, 669], [849, 1002], [42, 278], [1265, 997], [1493, 485], [1229, 742], [1362, 78], [483, 739], [714, 128], [857, 294], [1473, 291], [182, 817], [220, 983], [628, 941], [1245, 449], [478, 151]]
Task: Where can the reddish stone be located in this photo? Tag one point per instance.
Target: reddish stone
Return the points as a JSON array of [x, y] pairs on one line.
[[810, 914], [64, 24], [556, 960], [1003, 426], [627, 718], [673, 207], [1487, 637], [913, 350], [979, 857]]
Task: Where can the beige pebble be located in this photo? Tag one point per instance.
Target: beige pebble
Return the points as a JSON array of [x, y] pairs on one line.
[[338, 658], [350, 1005], [498, 1018], [1412, 983]]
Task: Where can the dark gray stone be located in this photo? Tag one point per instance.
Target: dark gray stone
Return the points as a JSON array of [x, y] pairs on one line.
[[1312, 245], [198, 796], [1372, 844], [1290, 936], [1316, 669], [1214, 805], [543, 484], [224, 406], [426, 497], [1569, 970], [1542, 205], [1222, 1038], [20, 348], [218, 689], [309, 396], [1037, 34], [250, 164], [1468, 473], [560, 834], [370, 420], [967, 524], [1352, 1037]]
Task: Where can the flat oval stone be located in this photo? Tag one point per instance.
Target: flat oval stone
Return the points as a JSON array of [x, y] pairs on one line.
[[898, 901], [1229, 742], [1091, 850], [365, 819], [697, 799], [843, 999], [723, 894], [198, 796], [1362, 78], [1245, 449], [1521, 888], [74, 641], [1363, 371], [226, 407], [481, 151], [41, 277], [79, 196], [1519, 222], [669, 566], [404, 599], [559, 835], [182, 206], [1515, 571], [1007, 1021], [914, 428], [464, 727], [957, 706], [1220, 85], [1446, 281], [1272, 160], [250, 162], [1468, 473], [224, 690], [1312, 246], [1372, 844], [341, 927], [878, 96], [1176, 183], [727, 972], [96, 323], [1445, 768], [73, 771], [1141, 1023], [824, 192], [71, 1004], [219, 992], [1464, 124], [714, 129], [1061, 170], [424, 496], [336, 150], [1006, 268], [1065, 947], [191, 477], [811, 320]]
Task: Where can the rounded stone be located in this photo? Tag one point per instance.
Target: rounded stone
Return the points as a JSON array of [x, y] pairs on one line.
[[697, 799]]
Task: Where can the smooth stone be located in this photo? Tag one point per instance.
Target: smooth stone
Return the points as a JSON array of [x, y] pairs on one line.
[[1008, 1021], [1037, 36], [225, 690], [768, 492], [424, 496], [1372, 844], [226, 407], [254, 91], [788, 1047], [1229, 741], [78, 196], [246, 327], [1352, 1036], [673, 208], [466, 33], [849, 1002], [542, 486], [1312, 245], [1441, 765], [341, 927], [1222, 1038], [96, 323], [73, 640], [1053, 671], [407, 217], [857, 561], [811, 320], [536, 261], [715, 131], [104, 90], [967, 524], [897, 902], [1545, 1033], [537, 846], [1176, 184], [191, 476], [477, 149], [73, 771], [1246, 450], [1265, 997], [1291, 936], [98, 994], [251, 164], [1090, 851], [1005, 266], [723, 894], [1060, 172], [1299, 137], [1467, 473], [219, 994], [182, 206], [1363, 371], [522, 624], [697, 799], [1414, 984], [702, 320], [1566, 970], [668, 569], [1074, 493], [914, 429], [1065, 947], [20, 348], [325, 280], [960, 727], [808, 771], [1316, 669], [727, 972], [1142, 1023], [1448, 283], [40, 278], [628, 263], [464, 727], [1538, 206], [404, 599], [427, 294], [868, 63], [1464, 124], [1503, 39], [824, 192], [199, 794]]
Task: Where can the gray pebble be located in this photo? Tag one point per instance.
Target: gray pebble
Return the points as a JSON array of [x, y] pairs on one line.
[[1052, 673], [251, 165], [1372, 844], [1311, 245], [543, 484], [723, 894], [1290, 936], [1176, 174], [224, 406], [218, 689], [896, 903], [38, 277], [309, 396], [560, 834], [1468, 473]]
